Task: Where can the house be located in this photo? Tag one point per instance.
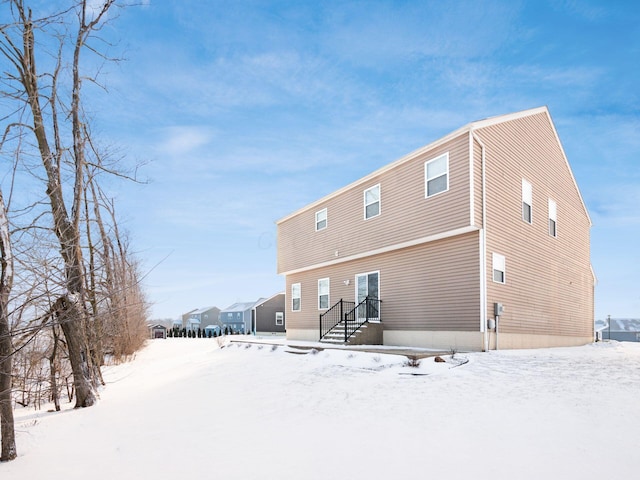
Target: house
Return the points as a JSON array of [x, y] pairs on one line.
[[479, 240], [237, 318], [203, 317], [620, 329], [183, 321], [269, 315], [158, 331]]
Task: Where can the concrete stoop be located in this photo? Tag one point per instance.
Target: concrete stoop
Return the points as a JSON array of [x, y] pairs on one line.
[[367, 334]]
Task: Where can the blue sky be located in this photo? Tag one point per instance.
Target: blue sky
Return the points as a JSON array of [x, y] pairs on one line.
[[242, 112]]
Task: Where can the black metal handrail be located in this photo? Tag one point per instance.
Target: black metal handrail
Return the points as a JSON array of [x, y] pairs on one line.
[[367, 310], [333, 316], [351, 315]]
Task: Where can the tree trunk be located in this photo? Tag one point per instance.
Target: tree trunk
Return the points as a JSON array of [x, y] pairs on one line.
[[68, 309], [53, 370], [6, 347], [69, 313]]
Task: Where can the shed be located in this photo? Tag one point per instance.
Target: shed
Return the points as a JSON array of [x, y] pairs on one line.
[[158, 331]]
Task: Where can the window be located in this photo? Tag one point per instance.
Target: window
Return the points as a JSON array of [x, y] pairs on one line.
[[553, 218], [498, 268], [323, 294], [436, 174], [321, 219], [372, 202], [295, 297], [279, 318], [527, 201]]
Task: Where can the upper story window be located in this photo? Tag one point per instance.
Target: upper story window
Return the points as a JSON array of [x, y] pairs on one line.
[[323, 293], [436, 174], [553, 218], [527, 201], [296, 292], [499, 268], [321, 219], [372, 202]]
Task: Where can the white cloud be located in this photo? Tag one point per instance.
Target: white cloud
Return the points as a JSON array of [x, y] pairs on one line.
[[184, 140]]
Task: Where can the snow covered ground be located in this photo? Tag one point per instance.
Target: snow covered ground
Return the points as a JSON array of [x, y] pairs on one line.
[[187, 409]]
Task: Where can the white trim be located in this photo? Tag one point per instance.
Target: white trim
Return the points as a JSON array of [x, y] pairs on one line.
[[299, 309], [426, 179], [327, 294], [575, 184], [326, 219], [281, 324], [553, 217], [366, 274], [499, 263], [363, 274], [390, 248], [472, 217], [379, 201], [483, 244], [527, 198]]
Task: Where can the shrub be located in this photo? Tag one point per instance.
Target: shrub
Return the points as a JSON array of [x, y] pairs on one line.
[[412, 361]]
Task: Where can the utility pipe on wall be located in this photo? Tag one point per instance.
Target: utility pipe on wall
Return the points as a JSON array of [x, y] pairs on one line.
[[483, 248]]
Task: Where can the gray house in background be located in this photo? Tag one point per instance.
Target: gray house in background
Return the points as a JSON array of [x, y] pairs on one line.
[[204, 317], [238, 317], [622, 329], [183, 321], [268, 315]]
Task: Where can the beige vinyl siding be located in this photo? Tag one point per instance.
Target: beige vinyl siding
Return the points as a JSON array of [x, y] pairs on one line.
[[433, 286], [405, 212], [549, 285]]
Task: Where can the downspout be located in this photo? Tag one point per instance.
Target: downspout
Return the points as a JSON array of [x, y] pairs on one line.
[[483, 250]]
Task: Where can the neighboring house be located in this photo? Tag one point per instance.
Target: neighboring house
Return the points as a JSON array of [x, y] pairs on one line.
[[184, 319], [158, 331], [269, 315], [204, 317], [238, 317], [622, 329], [486, 220], [177, 324]]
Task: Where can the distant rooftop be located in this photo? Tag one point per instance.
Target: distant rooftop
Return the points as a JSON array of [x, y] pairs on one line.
[[619, 325]]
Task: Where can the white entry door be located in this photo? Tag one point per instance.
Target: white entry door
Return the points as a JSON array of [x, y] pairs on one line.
[[368, 285]]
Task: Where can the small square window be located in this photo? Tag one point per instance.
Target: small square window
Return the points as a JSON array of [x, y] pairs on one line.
[[436, 174], [321, 219], [372, 202], [499, 268], [553, 218], [527, 201]]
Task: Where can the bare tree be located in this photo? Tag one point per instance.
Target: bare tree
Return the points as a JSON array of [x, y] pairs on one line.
[[69, 309], [6, 346]]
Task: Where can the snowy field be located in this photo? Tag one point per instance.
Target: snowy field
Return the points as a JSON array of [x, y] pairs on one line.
[[187, 409]]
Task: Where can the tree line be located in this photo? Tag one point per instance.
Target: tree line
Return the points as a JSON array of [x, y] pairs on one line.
[[70, 283], [177, 332]]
